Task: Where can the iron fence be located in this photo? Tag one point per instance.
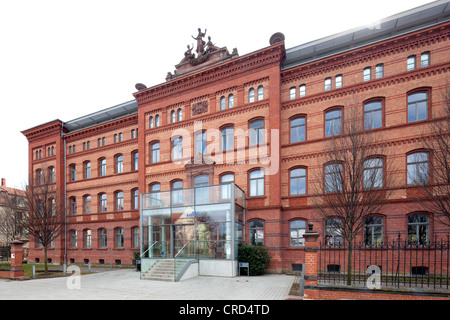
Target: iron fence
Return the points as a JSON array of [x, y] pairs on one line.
[[394, 264], [5, 253]]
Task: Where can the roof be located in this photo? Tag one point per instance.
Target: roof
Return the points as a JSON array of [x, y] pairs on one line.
[[102, 116], [404, 22]]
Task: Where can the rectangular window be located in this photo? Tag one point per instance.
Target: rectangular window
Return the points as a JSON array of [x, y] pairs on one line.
[[228, 138]]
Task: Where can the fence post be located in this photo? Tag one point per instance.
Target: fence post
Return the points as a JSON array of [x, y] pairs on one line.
[[16, 258], [311, 249]]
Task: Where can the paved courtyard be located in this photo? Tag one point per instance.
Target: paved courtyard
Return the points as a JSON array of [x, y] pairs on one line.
[[125, 284]]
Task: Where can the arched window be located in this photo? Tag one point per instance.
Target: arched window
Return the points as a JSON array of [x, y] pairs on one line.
[[102, 202], [155, 152], [119, 237], [157, 120], [297, 228], [256, 231], [87, 203], [103, 238], [225, 181], [373, 114], [418, 172], [260, 93], [119, 200], [119, 163], [222, 103], [333, 232], [373, 173], [256, 132], [298, 129], [135, 197], [297, 181], [179, 115], [256, 181], [172, 116], [177, 148], [87, 238], [251, 95], [150, 124], [333, 122], [333, 177], [418, 106], [373, 231], [177, 192], [230, 101], [418, 229]]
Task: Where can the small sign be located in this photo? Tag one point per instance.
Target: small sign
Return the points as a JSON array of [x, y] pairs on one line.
[[244, 265], [13, 255]]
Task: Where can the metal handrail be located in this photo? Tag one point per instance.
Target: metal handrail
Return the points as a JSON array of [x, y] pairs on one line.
[[182, 248], [149, 248]]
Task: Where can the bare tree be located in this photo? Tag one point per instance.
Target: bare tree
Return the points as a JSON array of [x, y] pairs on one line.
[[434, 180], [46, 210], [14, 209], [353, 184]]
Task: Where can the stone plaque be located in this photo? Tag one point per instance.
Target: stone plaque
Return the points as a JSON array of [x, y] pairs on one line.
[[199, 107]]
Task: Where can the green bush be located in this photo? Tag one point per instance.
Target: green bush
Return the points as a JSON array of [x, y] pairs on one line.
[[257, 257]]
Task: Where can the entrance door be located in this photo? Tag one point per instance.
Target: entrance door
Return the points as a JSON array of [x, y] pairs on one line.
[[183, 240]]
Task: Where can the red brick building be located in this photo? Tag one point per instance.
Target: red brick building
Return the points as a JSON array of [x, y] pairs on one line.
[[271, 112]]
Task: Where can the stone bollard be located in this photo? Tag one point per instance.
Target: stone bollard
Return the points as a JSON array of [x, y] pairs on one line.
[[16, 258]]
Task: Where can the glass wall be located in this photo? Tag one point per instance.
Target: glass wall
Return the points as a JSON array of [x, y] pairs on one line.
[[205, 222]]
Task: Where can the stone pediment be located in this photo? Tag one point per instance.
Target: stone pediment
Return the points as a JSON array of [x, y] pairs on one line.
[[199, 160], [206, 55]]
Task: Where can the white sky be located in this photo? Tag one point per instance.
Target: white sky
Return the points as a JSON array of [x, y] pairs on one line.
[[63, 59]]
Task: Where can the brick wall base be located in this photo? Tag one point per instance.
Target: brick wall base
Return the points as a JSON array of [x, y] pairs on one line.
[[331, 293]]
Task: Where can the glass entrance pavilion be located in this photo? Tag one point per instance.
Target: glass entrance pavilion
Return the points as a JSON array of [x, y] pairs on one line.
[[201, 225]]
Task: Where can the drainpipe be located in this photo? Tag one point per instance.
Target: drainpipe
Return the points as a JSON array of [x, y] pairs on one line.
[[65, 202]]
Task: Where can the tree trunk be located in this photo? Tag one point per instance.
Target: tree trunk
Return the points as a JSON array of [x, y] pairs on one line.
[[349, 265], [45, 260]]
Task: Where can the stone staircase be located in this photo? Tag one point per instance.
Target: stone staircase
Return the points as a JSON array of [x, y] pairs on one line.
[[164, 270]]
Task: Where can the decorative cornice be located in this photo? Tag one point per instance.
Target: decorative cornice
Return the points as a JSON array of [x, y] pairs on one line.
[[368, 85], [418, 39]]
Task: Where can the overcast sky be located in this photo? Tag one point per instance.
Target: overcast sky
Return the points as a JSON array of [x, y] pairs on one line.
[[65, 59]]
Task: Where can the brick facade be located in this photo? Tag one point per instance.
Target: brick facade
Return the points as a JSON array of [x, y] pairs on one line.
[[198, 96]]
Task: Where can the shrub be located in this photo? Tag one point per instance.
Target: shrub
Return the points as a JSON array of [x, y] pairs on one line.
[[257, 257]]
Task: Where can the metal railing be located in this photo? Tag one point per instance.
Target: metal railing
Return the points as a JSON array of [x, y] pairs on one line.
[[397, 264]]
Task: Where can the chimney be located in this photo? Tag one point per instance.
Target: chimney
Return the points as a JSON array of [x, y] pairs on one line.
[[3, 182]]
